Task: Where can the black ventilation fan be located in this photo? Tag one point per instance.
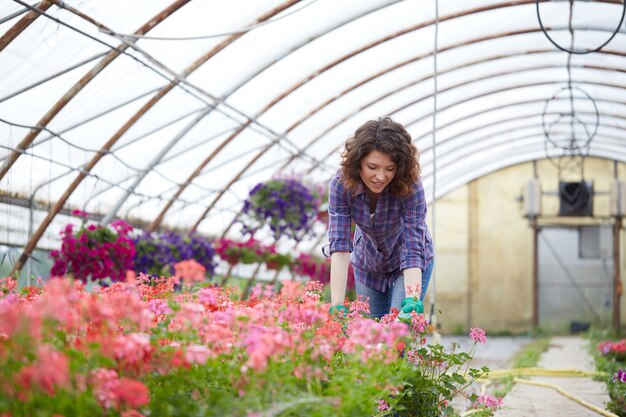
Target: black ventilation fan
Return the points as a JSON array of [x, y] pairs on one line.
[[576, 198]]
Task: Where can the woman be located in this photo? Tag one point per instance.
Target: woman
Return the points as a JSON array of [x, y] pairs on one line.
[[378, 187]]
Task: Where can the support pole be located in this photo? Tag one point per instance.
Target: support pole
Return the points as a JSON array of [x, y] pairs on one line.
[[617, 279], [535, 272]]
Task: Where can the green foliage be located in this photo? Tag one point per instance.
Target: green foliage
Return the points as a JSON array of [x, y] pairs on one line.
[[529, 355]]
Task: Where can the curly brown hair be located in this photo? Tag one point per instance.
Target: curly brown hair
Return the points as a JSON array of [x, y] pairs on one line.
[[389, 137]]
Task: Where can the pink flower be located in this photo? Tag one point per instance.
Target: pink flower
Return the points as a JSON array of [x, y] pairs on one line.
[[106, 387], [49, 372], [372, 340], [359, 307], [132, 349], [262, 291], [382, 405], [292, 290], [159, 307], [133, 393], [488, 401], [197, 354], [113, 392], [190, 271], [478, 335]]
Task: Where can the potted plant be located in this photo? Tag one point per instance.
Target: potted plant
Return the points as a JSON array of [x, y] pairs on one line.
[[94, 252], [286, 205]]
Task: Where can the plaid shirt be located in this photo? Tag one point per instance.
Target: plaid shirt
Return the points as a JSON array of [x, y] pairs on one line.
[[396, 239]]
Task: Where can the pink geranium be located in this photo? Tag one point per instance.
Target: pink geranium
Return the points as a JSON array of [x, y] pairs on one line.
[[488, 401], [49, 372], [190, 271], [478, 335]]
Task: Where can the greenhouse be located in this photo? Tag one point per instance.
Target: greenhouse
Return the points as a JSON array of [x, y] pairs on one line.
[[312, 208]]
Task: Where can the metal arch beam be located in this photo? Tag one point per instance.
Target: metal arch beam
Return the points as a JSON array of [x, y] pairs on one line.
[[184, 151], [76, 88], [616, 139], [520, 157], [490, 109], [231, 182], [181, 134], [412, 83], [605, 141], [525, 85], [509, 120], [387, 94], [453, 122], [22, 24], [260, 70], [306, 42], [293, 126], [262, 152], [320, 71], [157, 158], [485, 138], [156, 98]]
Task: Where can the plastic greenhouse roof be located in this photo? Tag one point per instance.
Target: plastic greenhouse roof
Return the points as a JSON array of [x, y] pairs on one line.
[[171, 111]]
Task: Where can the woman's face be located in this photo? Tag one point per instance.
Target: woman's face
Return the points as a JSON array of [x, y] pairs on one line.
[[377, 171]]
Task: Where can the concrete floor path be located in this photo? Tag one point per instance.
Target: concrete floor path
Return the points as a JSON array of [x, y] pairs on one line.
[[533, 401]]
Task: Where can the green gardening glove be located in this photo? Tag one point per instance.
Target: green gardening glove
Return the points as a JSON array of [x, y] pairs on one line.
[[338, 310], [408, 306]]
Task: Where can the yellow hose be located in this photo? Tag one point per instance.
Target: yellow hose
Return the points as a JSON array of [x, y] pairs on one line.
[[501, 373], [568, 395]]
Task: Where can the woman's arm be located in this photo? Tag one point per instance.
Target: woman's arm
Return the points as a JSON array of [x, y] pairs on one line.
[[340, 242], [413, 282], [339, 263], [414, 232]]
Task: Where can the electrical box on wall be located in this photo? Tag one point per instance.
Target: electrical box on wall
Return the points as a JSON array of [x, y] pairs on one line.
[[532, 198], [618, 199]]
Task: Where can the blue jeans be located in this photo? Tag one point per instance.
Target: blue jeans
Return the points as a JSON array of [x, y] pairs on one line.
[[382, 302]]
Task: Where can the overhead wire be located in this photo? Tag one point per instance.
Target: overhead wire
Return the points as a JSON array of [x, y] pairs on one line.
[[62, 139], [15, 14], [245, 29], [571, 49], [52, 77], [78, 169], [433, 317], [42, 140], [178, 80]]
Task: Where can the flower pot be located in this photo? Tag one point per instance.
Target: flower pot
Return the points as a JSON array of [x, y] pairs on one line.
[[273, 265], [232, 259]]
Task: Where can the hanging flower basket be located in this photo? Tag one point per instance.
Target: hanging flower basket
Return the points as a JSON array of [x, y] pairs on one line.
[[277, 261], [287, 206], [94, 252], [248, 252]]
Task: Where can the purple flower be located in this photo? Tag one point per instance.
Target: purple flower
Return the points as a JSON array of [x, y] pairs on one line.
[[157, 253], [285, 205]]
